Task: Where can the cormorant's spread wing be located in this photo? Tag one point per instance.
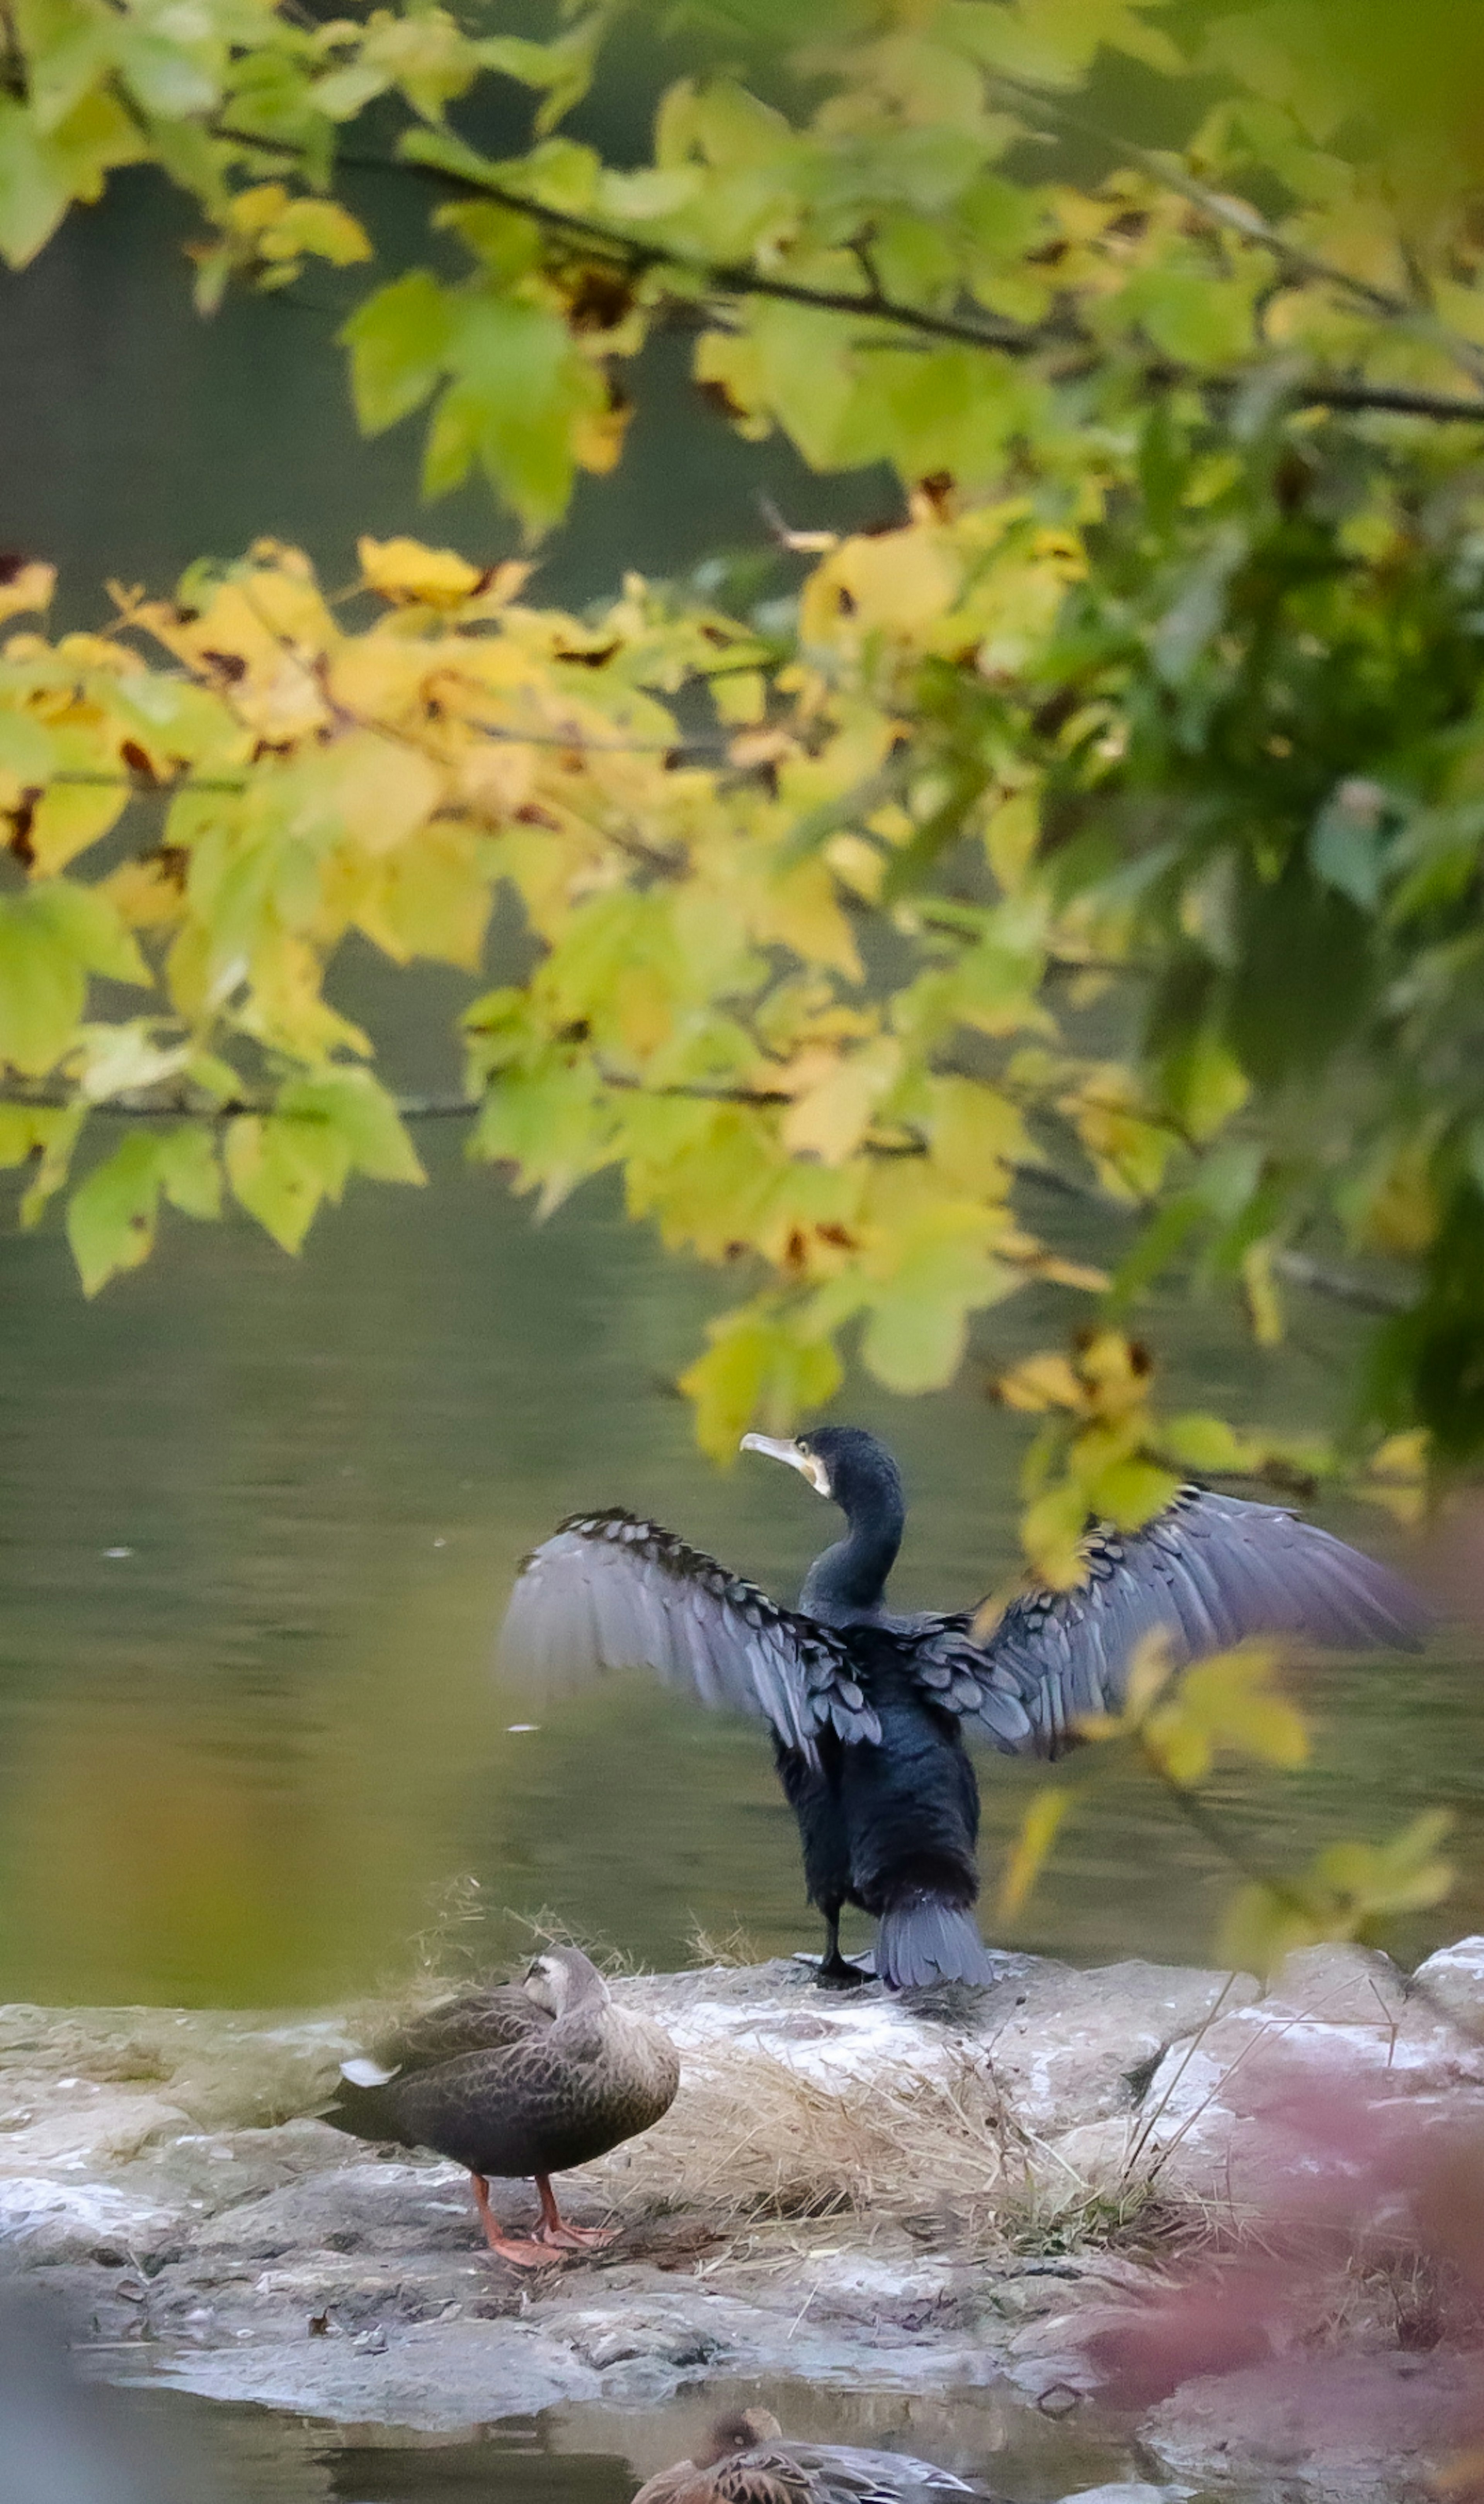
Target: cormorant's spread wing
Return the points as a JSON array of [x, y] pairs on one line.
[[610, 1592], [1208, 1572]]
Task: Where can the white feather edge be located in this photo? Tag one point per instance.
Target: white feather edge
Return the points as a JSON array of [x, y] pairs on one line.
[[363, 2072]]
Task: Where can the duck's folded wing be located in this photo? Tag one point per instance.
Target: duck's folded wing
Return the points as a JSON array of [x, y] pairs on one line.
[[471, 2021], [610, 1592], [1207, 1573]]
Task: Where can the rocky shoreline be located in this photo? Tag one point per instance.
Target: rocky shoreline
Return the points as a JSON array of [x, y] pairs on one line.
[[958, 2193]]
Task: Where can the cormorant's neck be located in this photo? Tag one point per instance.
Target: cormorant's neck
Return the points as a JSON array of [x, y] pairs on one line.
[[848, 1581]]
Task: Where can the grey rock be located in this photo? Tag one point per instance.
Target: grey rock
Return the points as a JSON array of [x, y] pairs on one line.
[[1131, 2490], [1452, 1981], [1331, 2429]]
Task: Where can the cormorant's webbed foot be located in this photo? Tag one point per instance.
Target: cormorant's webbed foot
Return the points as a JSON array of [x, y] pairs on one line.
[[837, 1974], [832, 1970]]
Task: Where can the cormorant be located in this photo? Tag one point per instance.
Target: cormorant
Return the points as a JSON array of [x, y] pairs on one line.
[[527, 2078], [869, 1711]]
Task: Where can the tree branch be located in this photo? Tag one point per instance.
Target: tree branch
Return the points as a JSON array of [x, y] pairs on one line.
[[1362, 1294]]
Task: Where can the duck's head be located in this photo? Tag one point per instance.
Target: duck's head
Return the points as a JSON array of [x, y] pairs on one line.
[[845, 1463], [740, 2430], [562, 1978]]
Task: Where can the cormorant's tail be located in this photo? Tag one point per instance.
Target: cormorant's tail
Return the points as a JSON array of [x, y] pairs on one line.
[[922, 1940]]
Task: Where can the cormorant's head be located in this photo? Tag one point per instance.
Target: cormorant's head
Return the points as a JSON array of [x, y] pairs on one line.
[[560, 1977], [842, 1461]]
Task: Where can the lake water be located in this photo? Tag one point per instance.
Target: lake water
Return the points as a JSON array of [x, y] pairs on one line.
[[590, 2454], [260, 1516]]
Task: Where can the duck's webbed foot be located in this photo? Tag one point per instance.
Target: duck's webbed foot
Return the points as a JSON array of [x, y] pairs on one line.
[[522, 2253], [559, 2233]]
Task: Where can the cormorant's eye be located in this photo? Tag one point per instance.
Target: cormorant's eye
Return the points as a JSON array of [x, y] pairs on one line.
[[803, 1444]]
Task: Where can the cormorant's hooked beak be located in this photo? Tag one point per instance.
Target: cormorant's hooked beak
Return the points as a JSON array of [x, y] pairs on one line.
[[782, 1447]]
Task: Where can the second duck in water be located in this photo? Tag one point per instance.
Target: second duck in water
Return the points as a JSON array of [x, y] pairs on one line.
[[745, 2459], [869, 1711], [526, 2079]]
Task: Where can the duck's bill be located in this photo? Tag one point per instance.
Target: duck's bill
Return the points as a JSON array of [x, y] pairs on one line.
[[782, 1447]]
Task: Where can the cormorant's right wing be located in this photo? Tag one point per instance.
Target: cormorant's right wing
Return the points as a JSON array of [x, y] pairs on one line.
[[1208, 1572], [610, 1592]]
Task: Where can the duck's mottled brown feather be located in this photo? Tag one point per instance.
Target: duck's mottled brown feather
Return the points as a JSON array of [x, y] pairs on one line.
[[472, 2021], [746, 2462]]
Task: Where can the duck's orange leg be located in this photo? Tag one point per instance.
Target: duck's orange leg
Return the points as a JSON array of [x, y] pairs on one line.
[[524, 2255], [555, 2231]]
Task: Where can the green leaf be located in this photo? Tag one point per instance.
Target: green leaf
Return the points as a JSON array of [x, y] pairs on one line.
[[34, 191], [189, 1171], [43, 987], [111, 1216], [760, 1369], [519, 385], [362, 1115], [88, 924], [282, 1168], [398, 339], [25, 1129]]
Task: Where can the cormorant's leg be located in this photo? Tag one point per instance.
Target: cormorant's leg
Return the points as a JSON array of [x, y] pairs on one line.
[[524, 2255], [834, 1969], [555, 2229]]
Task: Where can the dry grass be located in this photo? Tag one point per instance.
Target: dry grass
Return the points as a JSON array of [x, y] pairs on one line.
[[760, 2140], [1129, 2214]]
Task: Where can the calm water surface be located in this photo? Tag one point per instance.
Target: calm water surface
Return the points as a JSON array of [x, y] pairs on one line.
[[597, 2455]]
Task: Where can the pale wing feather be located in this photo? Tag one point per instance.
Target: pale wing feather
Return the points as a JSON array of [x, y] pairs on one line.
[[1208, 1572], [609, 1592]]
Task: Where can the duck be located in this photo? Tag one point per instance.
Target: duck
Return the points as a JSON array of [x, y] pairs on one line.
[[870, 1711], [523, 2078], [746, 2460]]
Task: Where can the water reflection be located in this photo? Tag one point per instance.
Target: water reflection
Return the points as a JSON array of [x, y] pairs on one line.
[[598, 2456]]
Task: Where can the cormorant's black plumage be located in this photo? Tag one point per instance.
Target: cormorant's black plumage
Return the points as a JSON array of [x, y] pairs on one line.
[[869, 1711]]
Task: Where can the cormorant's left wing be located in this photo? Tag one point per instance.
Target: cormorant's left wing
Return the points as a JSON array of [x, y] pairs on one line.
[[1207, 1573], [607, 1593]]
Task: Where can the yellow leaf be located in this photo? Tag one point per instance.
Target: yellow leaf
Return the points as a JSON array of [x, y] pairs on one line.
[[1180, 1750], [1262, 1925], [1262, 1291], [25, 584], [597, 436], [432, 899], [1041, 1382], [1115, 1374], [1051, 1534], [830, 1119], [1201, 1442], [977, 1134], [1129, 1493], [759, 1369], [384, 788], [739, 695], [1039, 1826], [899, 580], [405, 570], [1012, 833], [68, 817]]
